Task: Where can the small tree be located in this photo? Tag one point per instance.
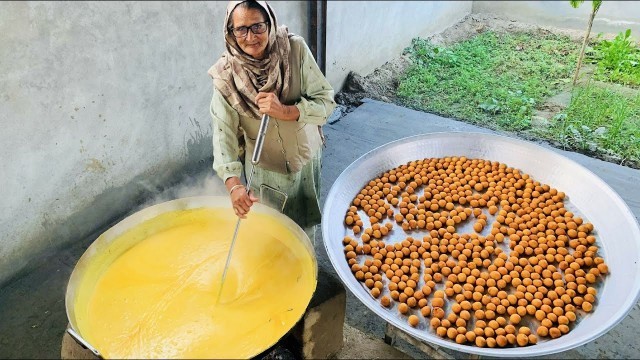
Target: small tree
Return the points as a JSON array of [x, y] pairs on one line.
[[595, 6]]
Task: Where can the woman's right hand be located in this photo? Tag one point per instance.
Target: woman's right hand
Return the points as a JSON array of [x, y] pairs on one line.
[[241, 200]]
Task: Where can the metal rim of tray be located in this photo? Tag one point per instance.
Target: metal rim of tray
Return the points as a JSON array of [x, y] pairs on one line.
[[613, 222], [103, 241]]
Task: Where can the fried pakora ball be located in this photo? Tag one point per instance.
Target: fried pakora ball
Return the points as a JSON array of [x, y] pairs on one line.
[[525, 256]]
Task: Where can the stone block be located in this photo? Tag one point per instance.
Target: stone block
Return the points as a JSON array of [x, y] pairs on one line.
[[72, 350], [320, 331]]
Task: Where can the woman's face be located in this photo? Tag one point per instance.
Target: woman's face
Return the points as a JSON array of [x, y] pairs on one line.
[[254, 45]]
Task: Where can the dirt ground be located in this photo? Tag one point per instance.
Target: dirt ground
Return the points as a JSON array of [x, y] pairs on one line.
[[381, 84]]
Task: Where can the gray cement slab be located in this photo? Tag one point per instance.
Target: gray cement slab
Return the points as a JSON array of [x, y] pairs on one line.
[[376, 123]]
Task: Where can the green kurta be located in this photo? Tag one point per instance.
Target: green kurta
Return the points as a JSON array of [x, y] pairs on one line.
[[314, 100]]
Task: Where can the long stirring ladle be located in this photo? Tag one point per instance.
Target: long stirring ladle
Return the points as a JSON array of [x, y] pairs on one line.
[[255, 158]]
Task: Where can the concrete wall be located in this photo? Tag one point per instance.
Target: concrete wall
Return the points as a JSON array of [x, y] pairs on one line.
[[101, 105], [613, 16], [362, 36]]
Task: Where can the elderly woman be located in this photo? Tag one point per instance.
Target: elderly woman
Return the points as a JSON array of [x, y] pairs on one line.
[[266, 70]]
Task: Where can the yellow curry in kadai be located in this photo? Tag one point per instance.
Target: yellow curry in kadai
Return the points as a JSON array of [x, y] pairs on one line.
[[153, 293]]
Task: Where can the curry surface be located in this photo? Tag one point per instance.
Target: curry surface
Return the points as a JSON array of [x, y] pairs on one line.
[[152, 293]]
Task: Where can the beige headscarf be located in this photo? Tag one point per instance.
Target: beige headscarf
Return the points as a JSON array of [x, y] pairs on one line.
[[239, 77]]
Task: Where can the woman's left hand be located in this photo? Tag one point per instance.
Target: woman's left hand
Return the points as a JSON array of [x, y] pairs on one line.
[[268, 103]]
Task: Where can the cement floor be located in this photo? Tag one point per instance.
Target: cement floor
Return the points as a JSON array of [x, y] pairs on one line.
[[33, 317]]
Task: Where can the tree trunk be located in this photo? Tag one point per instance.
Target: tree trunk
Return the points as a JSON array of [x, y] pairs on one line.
[[584, 45]]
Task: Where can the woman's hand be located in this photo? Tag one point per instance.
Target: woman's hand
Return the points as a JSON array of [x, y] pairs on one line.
[[268, 103], [241, 200]]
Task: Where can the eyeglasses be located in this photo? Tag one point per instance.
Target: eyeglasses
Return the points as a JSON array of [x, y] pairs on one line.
[[257, 28]]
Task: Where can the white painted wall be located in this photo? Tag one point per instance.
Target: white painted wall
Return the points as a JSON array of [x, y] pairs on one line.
[[101, 104], [613, 16], [362, 36]]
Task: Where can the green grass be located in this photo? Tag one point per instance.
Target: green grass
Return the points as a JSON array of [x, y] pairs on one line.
[[488, 79], [498, 80], [600, 120], [617, 60]]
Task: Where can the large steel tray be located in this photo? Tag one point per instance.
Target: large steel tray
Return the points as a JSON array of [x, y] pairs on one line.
[[618, 232]]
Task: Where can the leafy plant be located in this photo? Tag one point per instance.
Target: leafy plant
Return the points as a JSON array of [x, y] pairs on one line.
[[618, 60], [515, 103], [492, 106], [600, 120], [595, 6]]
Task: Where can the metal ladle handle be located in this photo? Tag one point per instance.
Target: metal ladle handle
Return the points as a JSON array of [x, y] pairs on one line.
[[257, 151], [255, 158]]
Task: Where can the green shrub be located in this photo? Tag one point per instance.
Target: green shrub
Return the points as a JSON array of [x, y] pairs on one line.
[[617, 60]]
